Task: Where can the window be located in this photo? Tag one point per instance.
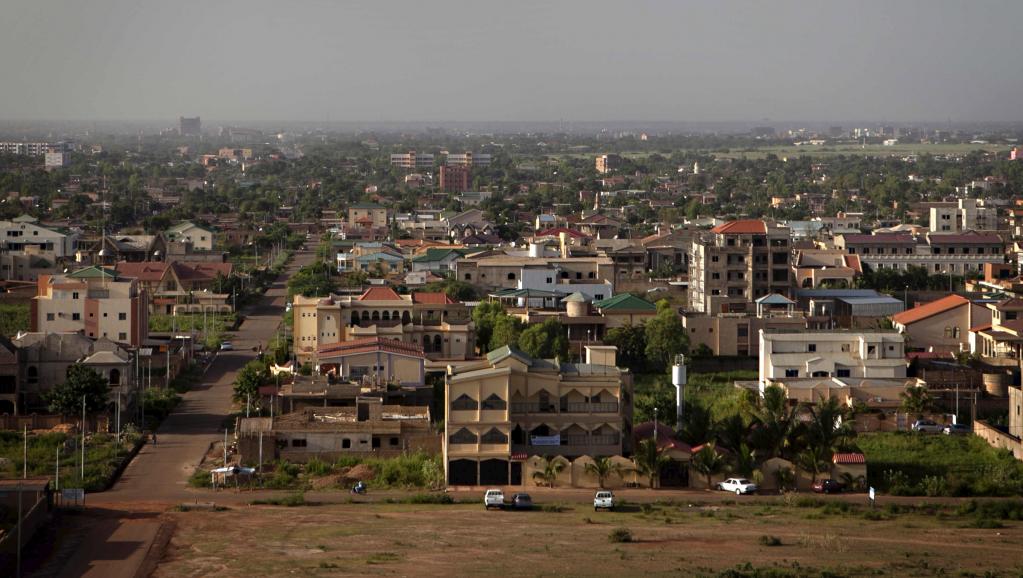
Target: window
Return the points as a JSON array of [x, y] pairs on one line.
[[842, 372], [550, 280], [464, 403], [346, 444], [494, 436], [791, 373], [812, 347], [511, 276], [121, 316], [298, 443], [714, 259], [462, 436], [394, 441], [493, 402], [49, 316], [74, 295], [871, 349], [845, 348], [743, 331], [468, 276], [76, 317]]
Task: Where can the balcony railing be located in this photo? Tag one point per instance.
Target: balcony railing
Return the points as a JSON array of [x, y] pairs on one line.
[[573, 407]]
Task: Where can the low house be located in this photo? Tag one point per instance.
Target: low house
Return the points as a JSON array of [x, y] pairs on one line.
[[942, 325], [369, 428]]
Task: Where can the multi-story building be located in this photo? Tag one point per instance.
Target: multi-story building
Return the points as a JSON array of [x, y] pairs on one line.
[[412, 160], [367, 216], [825, 268], [200, 238], [94, 301], [865, 367], [607, 163], [735, 264], [189, 126], [965, 215], [25, 234], [955, 253], [564, 274], [33, 149], [441, 326], [468, 159], [56, 158], [503, 410], [455, 179]]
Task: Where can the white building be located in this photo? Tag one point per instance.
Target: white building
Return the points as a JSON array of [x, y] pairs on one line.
[[468, 159], [550, 279], [24, 234], [831, 353], [967, 215]]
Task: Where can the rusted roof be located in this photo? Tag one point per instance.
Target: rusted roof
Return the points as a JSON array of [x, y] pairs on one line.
[[742, 227], [380, 294], [431, 298], [369, 344], [930, 309]]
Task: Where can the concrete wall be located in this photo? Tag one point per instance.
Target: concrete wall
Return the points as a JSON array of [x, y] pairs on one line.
[[998, 438]]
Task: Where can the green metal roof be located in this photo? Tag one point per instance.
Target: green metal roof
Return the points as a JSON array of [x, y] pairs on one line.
[[625, 301], [93, 272], [433, 254], [506, 351]]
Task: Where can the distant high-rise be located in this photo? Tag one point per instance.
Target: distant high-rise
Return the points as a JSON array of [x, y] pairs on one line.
[[189, 126], [455, 179]]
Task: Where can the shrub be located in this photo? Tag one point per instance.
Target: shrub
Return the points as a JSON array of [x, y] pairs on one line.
[[769, 541], [985, 524], [317, 467], [200, 479], [620, 535]]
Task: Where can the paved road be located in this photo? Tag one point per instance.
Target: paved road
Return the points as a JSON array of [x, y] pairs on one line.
[[116, 533]]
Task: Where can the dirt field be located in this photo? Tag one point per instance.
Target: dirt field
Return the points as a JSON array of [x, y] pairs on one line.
[[669, 539]]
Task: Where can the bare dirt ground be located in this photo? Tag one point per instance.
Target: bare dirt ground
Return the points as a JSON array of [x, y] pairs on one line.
[[374, 539]]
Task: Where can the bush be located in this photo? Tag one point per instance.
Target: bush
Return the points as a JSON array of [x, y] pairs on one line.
[[985, 524], [290, 501], [429, 498], [769, 541], [347, 462], [620, 535], [416, 470], [317, 467], [200, 479]]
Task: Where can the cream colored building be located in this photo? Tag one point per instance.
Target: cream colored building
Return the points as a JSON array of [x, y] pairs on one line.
[[831, 353], [433, 321], [94, 301], [942, 325], [201, 238], [375, 360], [509, 407], [367, 216]]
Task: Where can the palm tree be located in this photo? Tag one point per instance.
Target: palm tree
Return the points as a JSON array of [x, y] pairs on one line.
[[708, 462], [917, 400], [827, 428], [813, 461], [774, 422], [650, 460], [745, 460], [552, 468], [604, 468]]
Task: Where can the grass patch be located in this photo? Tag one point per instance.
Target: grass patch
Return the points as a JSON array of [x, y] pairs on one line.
[[289, 501], [620, 536], [103, 455]]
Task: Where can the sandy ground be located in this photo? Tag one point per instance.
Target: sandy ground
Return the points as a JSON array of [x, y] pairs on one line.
[[373, 539]]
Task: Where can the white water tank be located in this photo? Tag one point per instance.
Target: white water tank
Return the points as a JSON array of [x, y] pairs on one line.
[[535, 250], [678, 379]]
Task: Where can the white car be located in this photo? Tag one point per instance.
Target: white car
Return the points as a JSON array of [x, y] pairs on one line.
[[493, 499], [927, 426], [227, 346], [738, 485], [604, 500]]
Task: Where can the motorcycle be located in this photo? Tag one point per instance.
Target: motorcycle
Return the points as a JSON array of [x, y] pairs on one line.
[[359, 488]]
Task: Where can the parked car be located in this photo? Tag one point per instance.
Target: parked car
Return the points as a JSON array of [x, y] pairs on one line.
[[828, 486], [956, 429], [737, 485], [227, 346], [493, 499], [926, 426], [521, 502], [604, 500]]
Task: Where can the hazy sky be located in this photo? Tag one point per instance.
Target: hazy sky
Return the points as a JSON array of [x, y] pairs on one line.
[[896, 60]]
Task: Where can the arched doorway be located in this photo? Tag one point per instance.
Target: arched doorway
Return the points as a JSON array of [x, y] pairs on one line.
[[115, 376], [437, 346]]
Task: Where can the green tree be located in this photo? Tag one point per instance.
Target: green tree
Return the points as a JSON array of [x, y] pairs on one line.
[[545, 340], [313, 280], [249, 379], [82, 381], [484, 316], [650, 460], [604, 468], [917, 401], [774, 422], [813, 461], [631, 343], [506, 331], [708, 462], [453, 288], [662, 397], [665, 336], [552, 468]]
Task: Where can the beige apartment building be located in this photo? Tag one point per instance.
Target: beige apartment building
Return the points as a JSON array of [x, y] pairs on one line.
[[433, 321], [505, 271], [735, 264], [738, 334], [607, 163], [367, 216], [94, 301], [510, 407]]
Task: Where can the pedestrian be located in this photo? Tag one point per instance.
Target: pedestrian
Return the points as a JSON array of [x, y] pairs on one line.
[[154, 438]]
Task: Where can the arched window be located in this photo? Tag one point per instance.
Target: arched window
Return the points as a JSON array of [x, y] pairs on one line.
[[365, 315], [376, 316], [494, 436], [426, 344], [395, 315], [387, 315], [464, 403], [511, 276], [494, 402], [406, 317], [115, 377], [463, 436], [437, 347], [33, 374]]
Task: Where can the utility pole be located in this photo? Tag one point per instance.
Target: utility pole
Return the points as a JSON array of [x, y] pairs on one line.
[[225, 447], [83, 441], [56, 481]]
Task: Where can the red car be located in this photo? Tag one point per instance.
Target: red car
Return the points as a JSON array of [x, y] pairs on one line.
[[828, 487]]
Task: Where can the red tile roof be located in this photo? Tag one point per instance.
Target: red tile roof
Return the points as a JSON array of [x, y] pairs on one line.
[[930, 309], [370, 344], [380, 294], [850, 458], [879, 239], [431, 298], [742, 227]]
